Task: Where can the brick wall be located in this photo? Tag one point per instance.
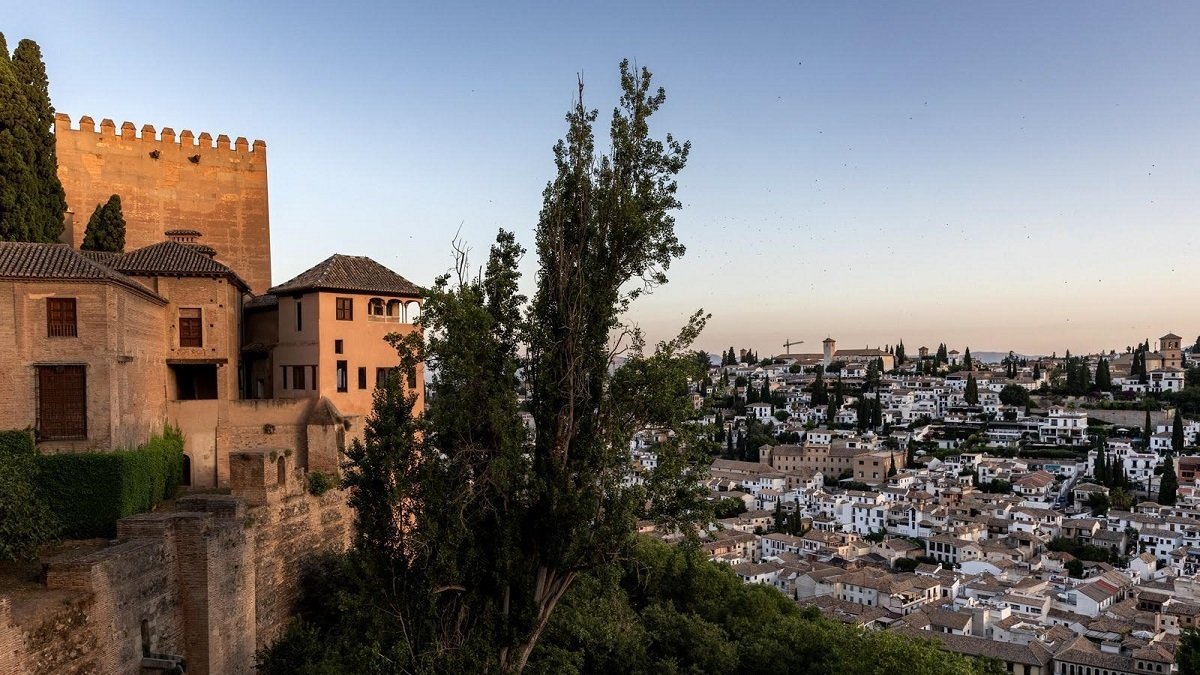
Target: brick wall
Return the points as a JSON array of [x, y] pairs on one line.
[[119, 340]]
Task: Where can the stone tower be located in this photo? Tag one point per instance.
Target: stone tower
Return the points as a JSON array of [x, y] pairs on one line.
[[1170, 346], [168, 183], [830, 348]]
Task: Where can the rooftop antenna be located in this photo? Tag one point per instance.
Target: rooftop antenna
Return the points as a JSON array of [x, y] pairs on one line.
[[788, 346]]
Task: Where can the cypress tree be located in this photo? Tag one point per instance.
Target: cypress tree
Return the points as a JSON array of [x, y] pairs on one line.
[[877, 414], [1103, 376], [1100, 471], [106, 228], [972, 393], [1146, 430], [892, 469], [1177, 433], [31, 197], [1085, 377], [820, 396], [17, 178], [51, 200], [967, 363], [1168, 487]]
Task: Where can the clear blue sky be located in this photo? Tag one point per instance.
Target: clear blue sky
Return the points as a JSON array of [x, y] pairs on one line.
[[999, 175]]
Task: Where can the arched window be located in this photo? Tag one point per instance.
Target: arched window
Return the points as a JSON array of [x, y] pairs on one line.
[[280, 472], [413, 310], [395, 310], [375, 307], [186, 479]]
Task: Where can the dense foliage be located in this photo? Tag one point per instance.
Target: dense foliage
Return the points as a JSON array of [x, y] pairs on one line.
[[661, 610], [89, 491], [25, 519], [471, 528], [32, 202], [106, 228]]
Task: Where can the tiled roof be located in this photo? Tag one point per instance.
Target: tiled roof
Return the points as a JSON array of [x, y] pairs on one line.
[[349, 273], [21, 260], [103, 257], [1033, 654], [264, 300], [171, 258]]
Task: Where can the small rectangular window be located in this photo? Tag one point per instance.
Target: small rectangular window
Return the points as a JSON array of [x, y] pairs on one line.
[[284, 376], [412, 378], [191, 330], [343, 376], [299, 316], [337, 346], [362, 378], [345, 309], [60, 317], [298, 377], [381, 375]]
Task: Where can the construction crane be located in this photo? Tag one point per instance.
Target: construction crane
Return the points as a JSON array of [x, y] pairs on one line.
[[788, 345]]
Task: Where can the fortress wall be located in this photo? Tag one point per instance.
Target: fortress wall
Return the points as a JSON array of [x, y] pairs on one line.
[[167, 182], [214, 580]]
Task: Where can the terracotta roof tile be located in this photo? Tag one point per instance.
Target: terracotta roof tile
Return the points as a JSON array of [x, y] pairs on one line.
[[171, 258], [349, 273], [22, 260]]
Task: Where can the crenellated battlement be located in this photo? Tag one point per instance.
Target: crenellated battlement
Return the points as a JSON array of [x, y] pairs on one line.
[[185, 141], [170, 181]]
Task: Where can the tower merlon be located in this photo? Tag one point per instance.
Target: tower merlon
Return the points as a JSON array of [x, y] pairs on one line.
[[129, 131]]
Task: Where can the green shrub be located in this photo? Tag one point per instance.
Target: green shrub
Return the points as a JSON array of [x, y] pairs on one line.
[[319, 483], [26, 521], [88, 492]]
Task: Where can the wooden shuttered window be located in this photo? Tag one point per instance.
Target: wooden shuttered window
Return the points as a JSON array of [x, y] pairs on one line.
[[191, 328], [62, 402], [60, 317], [344, 309]]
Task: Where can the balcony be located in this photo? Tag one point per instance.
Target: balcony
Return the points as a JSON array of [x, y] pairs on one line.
[[385, 319]]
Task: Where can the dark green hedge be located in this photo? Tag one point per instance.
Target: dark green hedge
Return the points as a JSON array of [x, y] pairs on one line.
[[25, 520], [89, 492]]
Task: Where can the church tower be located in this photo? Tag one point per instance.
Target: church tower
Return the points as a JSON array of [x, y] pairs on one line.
[[830, 346], [1169, 346]]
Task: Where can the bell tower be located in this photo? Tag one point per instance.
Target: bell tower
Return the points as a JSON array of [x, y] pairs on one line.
[[1169, 346]]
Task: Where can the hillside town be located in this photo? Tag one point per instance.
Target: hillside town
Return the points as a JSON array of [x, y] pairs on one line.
[[424, 423], [978, 504]]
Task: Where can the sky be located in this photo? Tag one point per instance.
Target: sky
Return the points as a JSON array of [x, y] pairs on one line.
[[989, 175]]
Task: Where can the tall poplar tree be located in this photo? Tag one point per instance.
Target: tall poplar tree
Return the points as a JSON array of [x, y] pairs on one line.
[[32, 202], [478, 530]]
